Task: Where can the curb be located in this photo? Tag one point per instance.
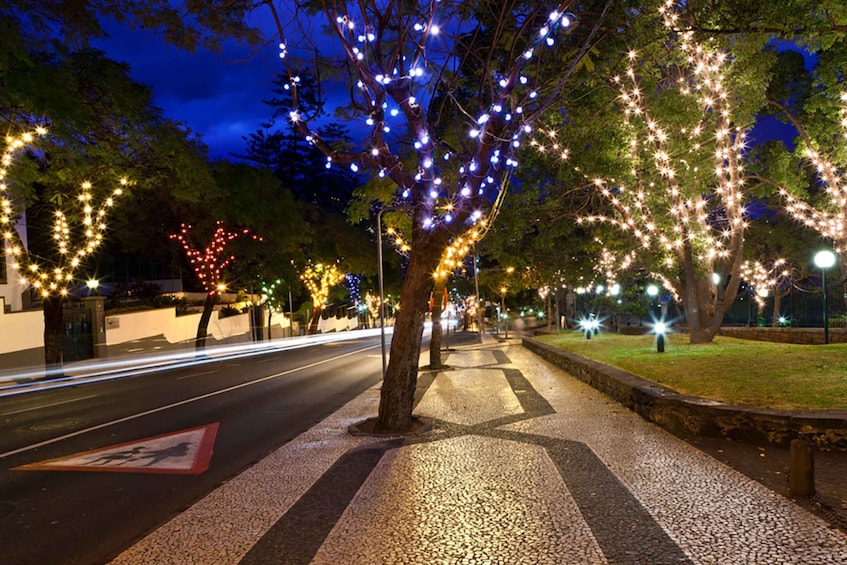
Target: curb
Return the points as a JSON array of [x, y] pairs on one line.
[[693, 416]]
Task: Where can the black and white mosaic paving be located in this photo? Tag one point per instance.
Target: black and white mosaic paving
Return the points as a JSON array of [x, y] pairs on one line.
[[524, 465]]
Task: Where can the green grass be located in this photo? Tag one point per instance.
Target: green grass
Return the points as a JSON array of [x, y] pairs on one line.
[[735, 371]]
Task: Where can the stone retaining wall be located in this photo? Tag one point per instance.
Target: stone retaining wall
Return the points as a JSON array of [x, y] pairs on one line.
[[801, 336], [692, 416]]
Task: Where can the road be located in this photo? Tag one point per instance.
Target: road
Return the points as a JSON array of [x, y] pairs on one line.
[[248, 404]]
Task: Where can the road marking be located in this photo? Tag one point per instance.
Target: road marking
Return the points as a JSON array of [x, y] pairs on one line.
[[180, 403], [47, 405], [196, 375], [186, 452]]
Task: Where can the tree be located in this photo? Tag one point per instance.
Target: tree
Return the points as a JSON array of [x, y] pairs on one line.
[[683, 200], [459, 119], [319, 280], [209, 264], [772, 276], [52, 274]]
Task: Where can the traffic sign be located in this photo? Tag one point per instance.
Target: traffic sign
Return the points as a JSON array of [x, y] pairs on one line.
[[186, 452]]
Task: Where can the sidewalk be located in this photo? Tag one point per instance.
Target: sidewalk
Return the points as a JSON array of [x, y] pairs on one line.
[[525, 465]]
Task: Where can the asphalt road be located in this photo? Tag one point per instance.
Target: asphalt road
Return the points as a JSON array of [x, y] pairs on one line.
[[258, 403]]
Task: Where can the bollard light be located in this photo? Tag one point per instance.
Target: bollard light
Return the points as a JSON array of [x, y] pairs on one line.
[[661, 329]]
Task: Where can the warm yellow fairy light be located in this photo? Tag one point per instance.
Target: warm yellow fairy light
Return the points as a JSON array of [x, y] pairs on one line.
[[766, 277], [56, 278], [709, 228], [828, 218], [319, 280]]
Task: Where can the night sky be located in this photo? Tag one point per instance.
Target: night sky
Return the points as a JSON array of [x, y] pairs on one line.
[[218, 96]]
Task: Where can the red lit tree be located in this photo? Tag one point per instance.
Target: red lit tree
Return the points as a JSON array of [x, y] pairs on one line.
[[209, 264]]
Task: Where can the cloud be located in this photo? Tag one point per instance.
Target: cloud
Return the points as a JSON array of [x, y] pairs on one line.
[[218, 95]]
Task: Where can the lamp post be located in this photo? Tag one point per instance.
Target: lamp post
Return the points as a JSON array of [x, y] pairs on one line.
[[381, 291], [652, 292], [478, 297], [824, 260], [614, 292], [503, 290]]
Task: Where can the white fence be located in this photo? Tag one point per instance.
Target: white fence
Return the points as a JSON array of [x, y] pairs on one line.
[[21, 331]]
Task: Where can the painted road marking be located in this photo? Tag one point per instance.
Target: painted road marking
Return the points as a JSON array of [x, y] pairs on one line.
[[47, 405], [180, 403], [186, 452]]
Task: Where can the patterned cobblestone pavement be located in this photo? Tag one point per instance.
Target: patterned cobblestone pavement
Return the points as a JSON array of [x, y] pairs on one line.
[[524, 465]]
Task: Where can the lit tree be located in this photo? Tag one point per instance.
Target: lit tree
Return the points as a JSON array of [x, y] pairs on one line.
[[51, 276], [769, 277], [208, 264], [683, 200], [421, 74], [319, 280], [828, 215]]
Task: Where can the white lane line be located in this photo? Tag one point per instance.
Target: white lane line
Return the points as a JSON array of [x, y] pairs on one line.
[[180, 403], [196, 375], [46, 405]]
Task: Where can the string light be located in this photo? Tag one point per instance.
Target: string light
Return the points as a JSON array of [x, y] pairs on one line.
[[389, 83], [765, 277], [319, 280], [828, 218], [50, 277], [208, 263], [652, 207]]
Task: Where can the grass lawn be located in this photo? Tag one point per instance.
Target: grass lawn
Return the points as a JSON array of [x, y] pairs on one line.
[[735, 371]]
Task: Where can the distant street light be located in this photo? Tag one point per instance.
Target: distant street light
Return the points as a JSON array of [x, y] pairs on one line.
[[824, 259]]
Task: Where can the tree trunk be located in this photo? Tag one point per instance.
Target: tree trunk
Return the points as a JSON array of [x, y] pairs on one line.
[[777, 306], [437, 330], [398, 387], [203, 326], [313, 323], [52, 307]]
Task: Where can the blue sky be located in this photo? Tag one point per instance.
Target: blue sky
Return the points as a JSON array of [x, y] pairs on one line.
[[219, 96]]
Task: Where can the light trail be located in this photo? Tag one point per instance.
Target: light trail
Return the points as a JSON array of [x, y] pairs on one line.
[[180, 403], [136, 365]]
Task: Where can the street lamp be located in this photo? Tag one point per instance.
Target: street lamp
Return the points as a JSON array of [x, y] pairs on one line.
[[92, 285], [824, 259]]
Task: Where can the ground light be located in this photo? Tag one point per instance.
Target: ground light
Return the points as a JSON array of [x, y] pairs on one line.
[[824, 259]]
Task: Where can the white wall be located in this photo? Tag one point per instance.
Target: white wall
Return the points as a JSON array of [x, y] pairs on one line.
[[338, 324], [20, 330]]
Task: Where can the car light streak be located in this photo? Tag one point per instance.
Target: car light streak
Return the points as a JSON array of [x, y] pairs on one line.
[[132, 366], [181, 403]]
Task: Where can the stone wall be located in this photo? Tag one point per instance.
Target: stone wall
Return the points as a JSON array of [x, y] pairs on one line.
[[804, 336], [692, 416]]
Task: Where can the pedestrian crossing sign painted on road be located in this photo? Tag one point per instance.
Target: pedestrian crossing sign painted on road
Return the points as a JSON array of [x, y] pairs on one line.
[[186, 452]]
